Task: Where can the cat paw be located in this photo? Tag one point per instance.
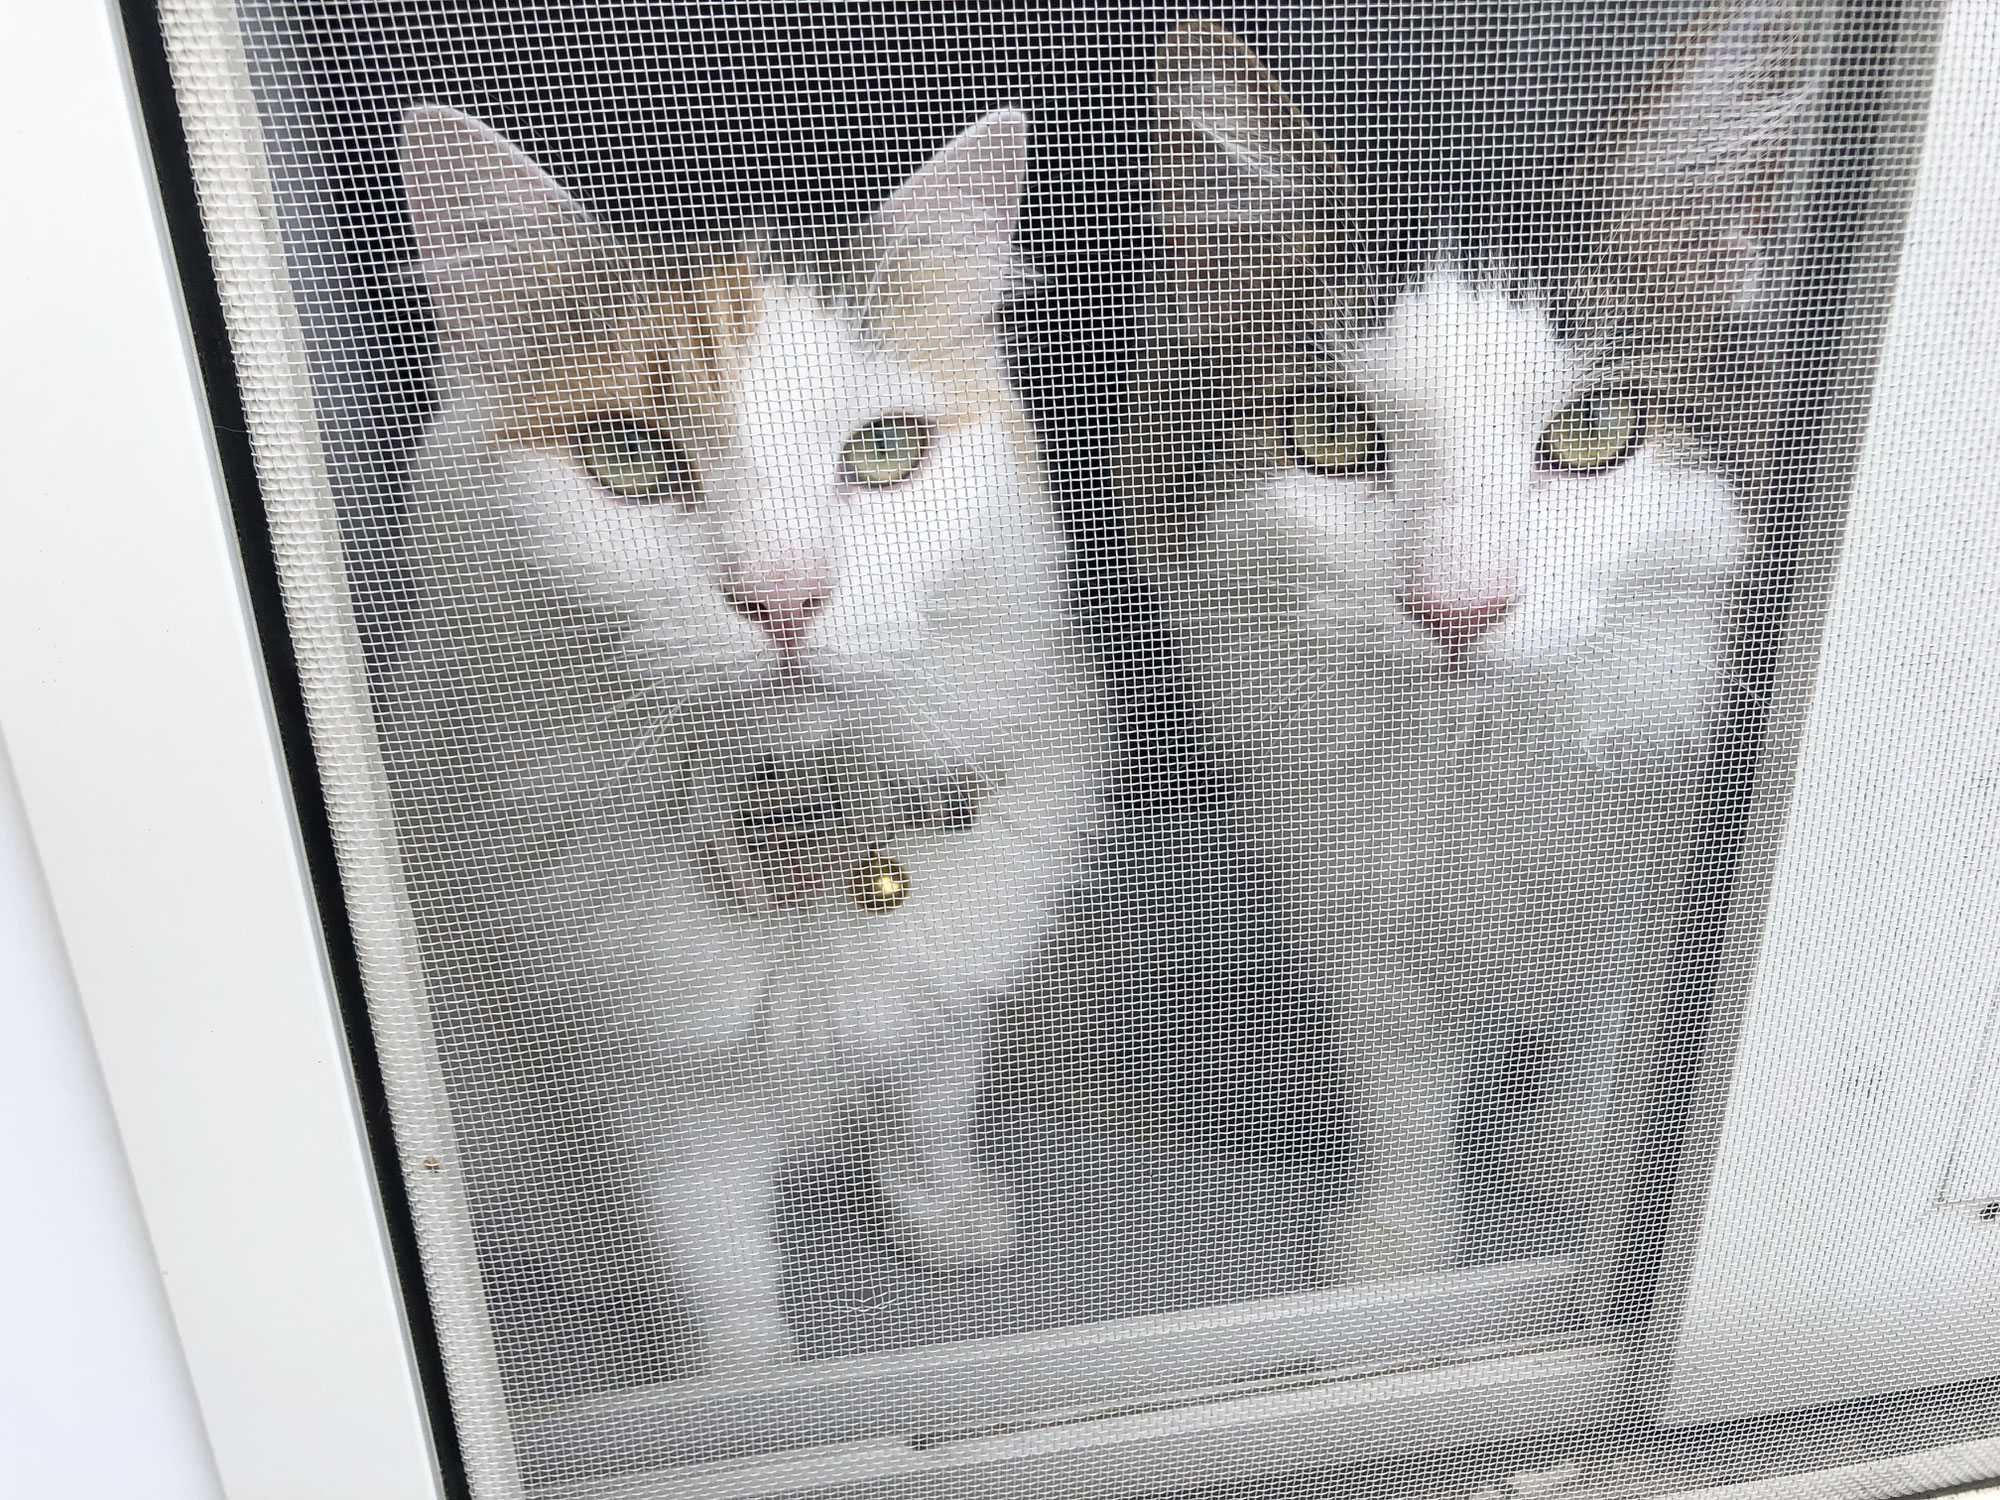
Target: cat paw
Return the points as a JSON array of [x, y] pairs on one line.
[[958, 1226], [1388, 1236]]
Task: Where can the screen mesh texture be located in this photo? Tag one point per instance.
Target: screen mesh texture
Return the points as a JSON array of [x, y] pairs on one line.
[[1036, 715]]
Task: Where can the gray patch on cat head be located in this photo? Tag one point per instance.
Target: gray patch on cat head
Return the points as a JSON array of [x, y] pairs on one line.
[[1248, 200], [1658, 251]]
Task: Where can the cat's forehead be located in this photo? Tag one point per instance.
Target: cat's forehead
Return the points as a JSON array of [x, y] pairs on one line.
[[802, 337], [810, 355], [1450, 337]]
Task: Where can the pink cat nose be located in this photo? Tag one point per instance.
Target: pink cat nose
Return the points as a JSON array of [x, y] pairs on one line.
[[783, 601], [1456, 623]]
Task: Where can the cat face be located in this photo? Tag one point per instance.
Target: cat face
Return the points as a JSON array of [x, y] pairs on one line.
[[1480, 492], [755, 472], [1463, 469]]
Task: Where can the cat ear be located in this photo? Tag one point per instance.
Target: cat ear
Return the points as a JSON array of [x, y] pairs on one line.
[[1687, 188], [1230, 147], [492, 228], [1245, 191], [945, 238]]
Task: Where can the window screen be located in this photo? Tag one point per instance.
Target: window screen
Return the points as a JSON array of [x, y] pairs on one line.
[[1040, 720]]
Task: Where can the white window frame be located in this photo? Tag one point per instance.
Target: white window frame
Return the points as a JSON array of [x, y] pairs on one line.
[[135, 709], [133, 700], [1841, 1249]]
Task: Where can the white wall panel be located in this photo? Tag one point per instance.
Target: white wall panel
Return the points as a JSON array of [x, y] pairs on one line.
[[133, 704], [89, 1347], [1831, 1263]]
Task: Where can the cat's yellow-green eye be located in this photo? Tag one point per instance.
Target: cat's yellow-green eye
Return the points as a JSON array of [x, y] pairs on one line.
[[1596, 432], [887, 451], [1332, 432], [635, 460]]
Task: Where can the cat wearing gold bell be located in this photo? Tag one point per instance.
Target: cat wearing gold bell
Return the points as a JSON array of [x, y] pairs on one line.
[[746, 714]]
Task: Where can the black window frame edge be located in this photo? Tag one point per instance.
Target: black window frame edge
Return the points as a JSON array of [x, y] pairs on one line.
[[201, 298]]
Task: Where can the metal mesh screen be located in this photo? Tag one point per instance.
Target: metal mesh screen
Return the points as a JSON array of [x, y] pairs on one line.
[[1040, 718]]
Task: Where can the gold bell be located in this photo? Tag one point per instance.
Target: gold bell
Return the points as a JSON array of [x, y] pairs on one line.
[[880, 884]]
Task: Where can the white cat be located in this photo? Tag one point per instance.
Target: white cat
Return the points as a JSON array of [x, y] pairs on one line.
[[744, 745], [1449, 539]]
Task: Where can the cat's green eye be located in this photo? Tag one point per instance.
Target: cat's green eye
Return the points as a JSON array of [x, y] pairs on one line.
[[1596, 432], [886, 451], [635, 460], [1332, 432]]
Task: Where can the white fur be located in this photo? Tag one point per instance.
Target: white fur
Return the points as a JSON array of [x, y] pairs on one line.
[[583, 658], [1475, 842], [809, 380], [1607, 570], [1483, 837]]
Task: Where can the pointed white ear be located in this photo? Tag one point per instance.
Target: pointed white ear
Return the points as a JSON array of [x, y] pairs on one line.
[[1688, 187], [491, 228], [471, 190], [949, 229]]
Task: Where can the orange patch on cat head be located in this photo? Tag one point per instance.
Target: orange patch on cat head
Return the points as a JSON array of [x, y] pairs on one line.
[[917, 307], [665, 341], [660, 342]]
